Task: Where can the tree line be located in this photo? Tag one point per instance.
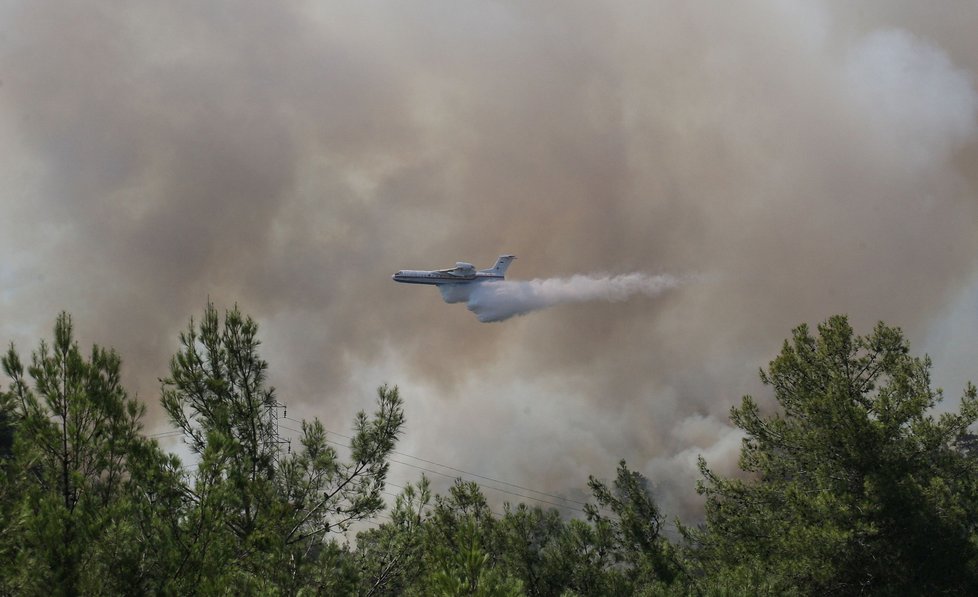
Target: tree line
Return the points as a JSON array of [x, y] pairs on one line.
[[851, 486]]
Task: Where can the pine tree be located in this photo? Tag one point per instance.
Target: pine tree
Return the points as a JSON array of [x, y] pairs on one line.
[[853, 486], [78, 520], [262, 520], [635, 526]]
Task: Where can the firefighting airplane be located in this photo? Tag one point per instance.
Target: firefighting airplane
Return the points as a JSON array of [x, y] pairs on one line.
[[462, 273]]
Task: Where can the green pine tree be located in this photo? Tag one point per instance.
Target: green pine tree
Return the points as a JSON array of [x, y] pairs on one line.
[[83, 489], [262, 520], [853, 485]]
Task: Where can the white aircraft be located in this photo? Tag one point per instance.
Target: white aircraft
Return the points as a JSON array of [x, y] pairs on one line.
[[462, 273]]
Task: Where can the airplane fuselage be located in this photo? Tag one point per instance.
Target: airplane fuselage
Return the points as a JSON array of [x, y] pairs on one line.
[[462, 273], [436, 277]]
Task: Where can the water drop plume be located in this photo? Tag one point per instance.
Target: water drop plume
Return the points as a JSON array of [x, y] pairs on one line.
[[498, 301]]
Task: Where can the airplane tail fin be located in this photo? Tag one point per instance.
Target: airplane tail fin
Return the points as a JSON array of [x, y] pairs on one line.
[[501, 264]]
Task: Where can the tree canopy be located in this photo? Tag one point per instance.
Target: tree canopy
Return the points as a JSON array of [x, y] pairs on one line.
[[850, 483], [854, 485]]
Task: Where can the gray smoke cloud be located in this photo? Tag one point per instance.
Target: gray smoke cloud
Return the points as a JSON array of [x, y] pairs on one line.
[[805, 158], [500, 300]]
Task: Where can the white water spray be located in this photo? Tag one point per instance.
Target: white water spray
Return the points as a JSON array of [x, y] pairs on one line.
[[498, 301]]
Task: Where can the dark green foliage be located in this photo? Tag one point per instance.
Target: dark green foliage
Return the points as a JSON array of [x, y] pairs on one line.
[[459, 547], [852, 486], [855, 486], [80, 514], [445, 547], [90, 506], [391, 556], [527, 539], [463, 568], [259, 519], [636, 544]]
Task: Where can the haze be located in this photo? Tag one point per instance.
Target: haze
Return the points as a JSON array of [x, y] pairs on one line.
[[800, 159]]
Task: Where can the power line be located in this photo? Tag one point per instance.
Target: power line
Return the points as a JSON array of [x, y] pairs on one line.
[[469, 473], [484, 486], [528, 497], [446, 475], [166, 433], [441, 473], [428, 507], [496, 514]]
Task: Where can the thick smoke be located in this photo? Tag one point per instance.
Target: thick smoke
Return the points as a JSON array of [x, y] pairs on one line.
[[807, 158], [500, 300]]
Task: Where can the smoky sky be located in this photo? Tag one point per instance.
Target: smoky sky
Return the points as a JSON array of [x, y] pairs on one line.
[[797, 159]]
